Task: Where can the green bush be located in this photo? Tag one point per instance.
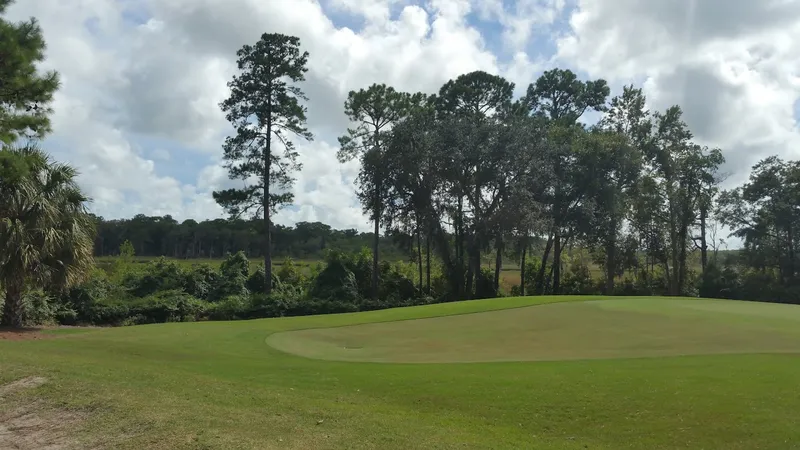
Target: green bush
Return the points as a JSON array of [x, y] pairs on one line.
[[168, 306], [201, 280], [233, 276], [289, 273], [230, 308], [578, 279], [158, 275], [39, 308], [484, 284]]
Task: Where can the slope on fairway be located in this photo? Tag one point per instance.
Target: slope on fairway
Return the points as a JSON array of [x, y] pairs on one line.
[[618, 328]]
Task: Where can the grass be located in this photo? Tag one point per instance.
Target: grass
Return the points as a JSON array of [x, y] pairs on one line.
[[222, 385], [623, 328]]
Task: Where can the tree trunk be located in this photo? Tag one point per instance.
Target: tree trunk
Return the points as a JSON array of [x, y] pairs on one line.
[[13, 308], [498, 263], [543, 267], [611, 260], [792, 267], [375, 242], [460, 247], [681, 269], [703, 243], [522, 266], [266, 207], [419, 256], [428, 261], [557, 262]]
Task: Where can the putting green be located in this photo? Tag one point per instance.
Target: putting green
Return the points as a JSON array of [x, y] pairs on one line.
[[618, 328]]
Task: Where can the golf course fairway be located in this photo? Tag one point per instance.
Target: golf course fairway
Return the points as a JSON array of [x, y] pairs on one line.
[[510, 373], [624, 328]]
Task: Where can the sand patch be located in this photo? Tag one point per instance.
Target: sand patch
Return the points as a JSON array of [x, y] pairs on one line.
[[24, 383], [34, 426]]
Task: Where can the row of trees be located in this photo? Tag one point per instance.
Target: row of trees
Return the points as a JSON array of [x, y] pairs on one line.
[[165, 236], [472, 171], [476, 170]]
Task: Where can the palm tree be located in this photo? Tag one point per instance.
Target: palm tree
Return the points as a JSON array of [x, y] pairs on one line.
[[46, 233]]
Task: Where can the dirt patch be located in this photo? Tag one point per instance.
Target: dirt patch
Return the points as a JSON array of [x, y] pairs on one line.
[[34, 426], [19, 334], [16, 334], [25, 383]]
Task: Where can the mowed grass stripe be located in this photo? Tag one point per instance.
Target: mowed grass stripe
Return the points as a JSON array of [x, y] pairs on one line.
[[625, 328]]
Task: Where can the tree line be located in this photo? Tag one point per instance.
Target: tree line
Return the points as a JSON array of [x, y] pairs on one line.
[[154, 236], [472, 170]]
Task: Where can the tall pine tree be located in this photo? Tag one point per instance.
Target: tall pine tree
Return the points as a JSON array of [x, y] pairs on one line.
[[265, 110], [25, 94]]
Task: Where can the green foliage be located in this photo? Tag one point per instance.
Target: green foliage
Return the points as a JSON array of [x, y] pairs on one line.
[[233, 279], [484, 284], [25, 93], [126, 251], [159, 275], [262, 106], [201, 281], [230, 308], [289, 273], [46, 234], [578, 279], [40, 309]]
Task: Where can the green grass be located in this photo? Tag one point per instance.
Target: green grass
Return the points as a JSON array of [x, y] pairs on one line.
[[222, 385], [620, 328]]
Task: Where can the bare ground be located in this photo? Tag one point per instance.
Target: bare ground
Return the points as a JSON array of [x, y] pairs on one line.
[[34, 425], [19, 334]]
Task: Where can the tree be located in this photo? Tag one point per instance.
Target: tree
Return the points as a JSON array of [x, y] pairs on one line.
[[25, 94], [476, 144], [626, 123], [265, 110], [615, 165], [764, 212], [374, 111], [562, 99], [681, 174], [46, 233]]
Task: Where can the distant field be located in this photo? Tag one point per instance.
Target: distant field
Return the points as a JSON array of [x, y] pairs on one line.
[[509, 276], [215, 262], [570, 373]]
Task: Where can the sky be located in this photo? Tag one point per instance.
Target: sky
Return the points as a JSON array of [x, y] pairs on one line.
[[138, 110]]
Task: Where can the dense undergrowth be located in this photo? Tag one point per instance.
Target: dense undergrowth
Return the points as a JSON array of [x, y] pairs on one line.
[[164, 290]]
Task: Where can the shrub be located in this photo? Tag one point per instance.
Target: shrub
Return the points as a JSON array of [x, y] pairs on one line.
[[158, 275], [200, 281], [78, 304], [39, 308], [484, 284], [168, 306], [233, 276], [289, 273], [230, 308], [337, 281], [578, 279]]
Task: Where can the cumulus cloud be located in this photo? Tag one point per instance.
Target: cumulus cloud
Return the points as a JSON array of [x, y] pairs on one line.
[[730, 65], [142, 79]]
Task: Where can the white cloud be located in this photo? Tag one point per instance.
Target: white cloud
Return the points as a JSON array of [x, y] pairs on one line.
[[733, 65], [730, 64]]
